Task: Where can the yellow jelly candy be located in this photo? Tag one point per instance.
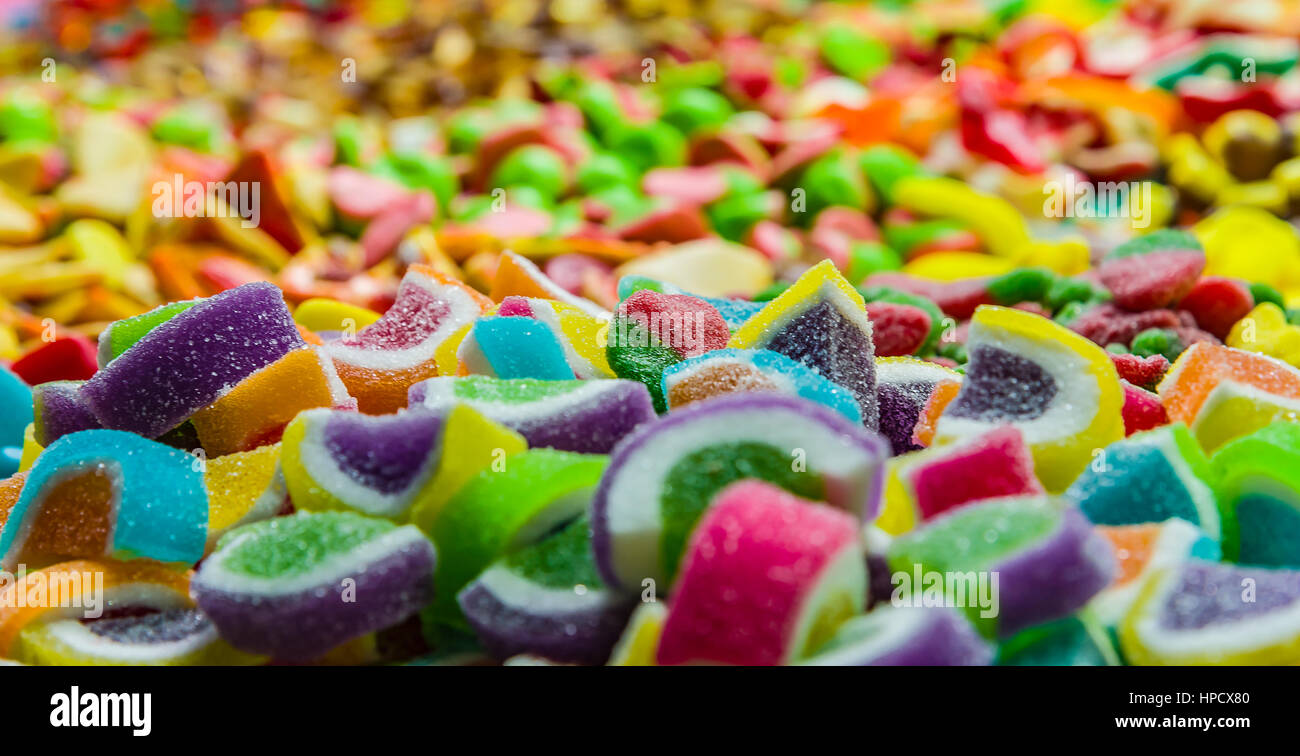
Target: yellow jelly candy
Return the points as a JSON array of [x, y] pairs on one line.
[[243, 487], [1059, 389], [321, 314], [640, 640], [1266, 330]]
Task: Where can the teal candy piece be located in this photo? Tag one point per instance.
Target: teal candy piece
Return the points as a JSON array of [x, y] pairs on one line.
[[10, 457], [15, 407], [514, 347], [1150, 477], [161, 506], [1075, 641], [734, 311], [787, 375], [1259, 496]]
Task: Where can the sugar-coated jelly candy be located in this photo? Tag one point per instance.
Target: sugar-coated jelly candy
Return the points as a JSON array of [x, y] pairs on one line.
[[108, 493], [87, 588], [1222, 393], [513, 347], [766, 578], [1153, 271], [571, 415], [59, 409], [923, 485], [1058, 388], [501, 510], [579, 334], [187, 362], [1142, 410], [1258, 480], [662, 477], [295, 587], [388, 465], [1074, 641], [175, 637], [822, 322], [1043, 554], [258, 408], [381, 361], [120, 335], [726, 371], [320, 314], [68, 357], [1140, 551], [904, 636], [903, 386], [15, 407], [546, 599], [651, 331], [734, 311], [639, 644], [1200, 612], [518, 276], [243, 487], [1149, 477]]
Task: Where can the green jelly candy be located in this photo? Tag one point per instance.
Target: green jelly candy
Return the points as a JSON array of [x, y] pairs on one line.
[[1075, 641], [187, 128], [503, 509], [534, 165], [26, 117], [908, 236], [421, 171], [1263, 292], [626, 203], [650, 145], [1259, 496], [1024, 285], [867, 257], [733, 216], [852, 53], [1065, 290], [348, 141], [695, 108], [601, 109], [831, 180], [642, 358], [284, 547], [603, 170], [885, 164], [1154, 341], [122, 334]]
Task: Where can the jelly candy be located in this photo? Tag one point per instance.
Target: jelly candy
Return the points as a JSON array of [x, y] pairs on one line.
[[1256, 480], [822, 322], [766, 578], [571, 415], [1141, 551], [903, 387], [1061, 391], [652, 331], [108, 493], [295, 587], [243, 487], [724, 371], [547, 599], [902, 637], [662, 476], [59, 409]]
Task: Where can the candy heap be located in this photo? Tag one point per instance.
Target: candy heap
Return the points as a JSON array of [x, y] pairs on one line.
[[920, 334]]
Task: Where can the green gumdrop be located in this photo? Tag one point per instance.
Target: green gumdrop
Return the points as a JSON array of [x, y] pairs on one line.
[[534, 165], [601, 109], [833, 179], [1070, 311], [465, 130], [605, 169], [691, 484], [348, 141], [700, 73], [907, 236], [953, 351], [185, 128], [625, 202], [733, 216], [853, 53], [1154, 341], [650, 145], [1263, 292], [1065, 290], [772, 291], [694, 108], [26, 117], [568, 217], [419, 171], [1024, 285], [885, 164], [635, 354], [790, 72], [867, 257], [529, 196]]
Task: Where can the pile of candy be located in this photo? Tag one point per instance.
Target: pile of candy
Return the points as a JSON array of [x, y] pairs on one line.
[[932, 333]]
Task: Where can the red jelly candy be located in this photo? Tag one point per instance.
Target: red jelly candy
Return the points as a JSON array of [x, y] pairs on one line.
[[1218, 303], [70, 357], [1153, 280], [1144, 372], [897, 329], [1142, 410], [689, 325]]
